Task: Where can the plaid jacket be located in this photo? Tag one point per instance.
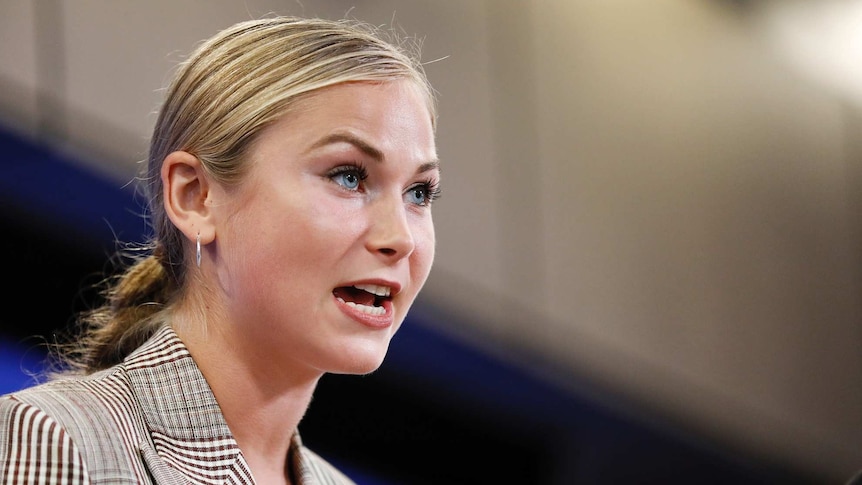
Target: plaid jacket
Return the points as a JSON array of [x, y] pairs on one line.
[[151, 419]]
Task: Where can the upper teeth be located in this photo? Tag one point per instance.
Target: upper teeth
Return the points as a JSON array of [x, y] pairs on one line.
[[374, 289]]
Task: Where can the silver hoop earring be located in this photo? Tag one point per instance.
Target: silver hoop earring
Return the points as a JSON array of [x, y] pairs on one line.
[[198, 250]]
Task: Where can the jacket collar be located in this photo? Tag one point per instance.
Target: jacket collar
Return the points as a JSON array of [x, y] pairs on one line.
[[189, 439]]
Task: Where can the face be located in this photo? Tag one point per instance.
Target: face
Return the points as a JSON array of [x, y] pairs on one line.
[[320, 253]]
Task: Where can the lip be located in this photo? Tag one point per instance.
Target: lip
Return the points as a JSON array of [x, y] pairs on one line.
[[392, 284], [373, 321]]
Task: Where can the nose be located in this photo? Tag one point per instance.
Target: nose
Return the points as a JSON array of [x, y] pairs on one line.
[[390, 234]]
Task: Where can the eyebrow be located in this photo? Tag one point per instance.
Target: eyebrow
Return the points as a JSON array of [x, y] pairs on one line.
[[429, 166], [357, 142], [367, 149]]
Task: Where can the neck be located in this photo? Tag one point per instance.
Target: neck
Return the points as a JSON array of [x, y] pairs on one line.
[[262, 405]]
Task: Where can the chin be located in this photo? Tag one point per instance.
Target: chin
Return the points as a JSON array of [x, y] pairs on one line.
[[363, 366], [360, 360]]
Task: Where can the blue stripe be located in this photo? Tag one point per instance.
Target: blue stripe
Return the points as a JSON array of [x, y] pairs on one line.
[[40, 182]]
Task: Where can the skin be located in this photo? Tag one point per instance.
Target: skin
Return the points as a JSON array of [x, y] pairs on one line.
[[277, 246]]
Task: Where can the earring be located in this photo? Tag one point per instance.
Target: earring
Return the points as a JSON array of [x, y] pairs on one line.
[[198, 250]]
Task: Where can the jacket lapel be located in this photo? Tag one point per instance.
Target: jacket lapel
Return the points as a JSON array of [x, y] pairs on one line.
[[190, 442], [160, 471]]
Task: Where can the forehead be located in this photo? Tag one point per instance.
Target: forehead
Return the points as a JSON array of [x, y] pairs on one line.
[[393, 115]]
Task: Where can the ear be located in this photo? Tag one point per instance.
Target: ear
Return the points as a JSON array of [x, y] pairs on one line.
[[186, 191]]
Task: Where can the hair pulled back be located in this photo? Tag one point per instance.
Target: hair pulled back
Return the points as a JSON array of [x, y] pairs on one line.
[[229, 89]]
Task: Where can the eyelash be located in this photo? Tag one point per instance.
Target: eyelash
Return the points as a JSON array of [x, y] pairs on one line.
[[430, 186], [355, 167]]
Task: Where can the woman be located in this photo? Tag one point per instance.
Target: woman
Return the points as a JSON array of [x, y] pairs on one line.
[[290, 176]]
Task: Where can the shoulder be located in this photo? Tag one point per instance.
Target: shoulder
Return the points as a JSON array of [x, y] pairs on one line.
[[28, 433], [90, 424], [86, 402]]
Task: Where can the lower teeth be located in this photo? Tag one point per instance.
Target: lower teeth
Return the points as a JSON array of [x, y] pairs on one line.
[[371, 310]]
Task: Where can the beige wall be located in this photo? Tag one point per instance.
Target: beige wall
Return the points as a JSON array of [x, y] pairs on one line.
[[637, 195], [699, 220]]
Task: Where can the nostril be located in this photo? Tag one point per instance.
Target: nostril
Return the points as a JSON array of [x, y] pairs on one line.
[[387, 251]]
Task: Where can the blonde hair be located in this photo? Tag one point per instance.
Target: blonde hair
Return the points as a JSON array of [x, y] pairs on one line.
[[230, 88]]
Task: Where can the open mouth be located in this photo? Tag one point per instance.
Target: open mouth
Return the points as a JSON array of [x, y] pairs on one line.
[[366, 298]]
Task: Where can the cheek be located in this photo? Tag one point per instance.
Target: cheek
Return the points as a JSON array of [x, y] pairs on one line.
[[325, 227], [244, 254], [423, 255], [306, 238], [256, 240]]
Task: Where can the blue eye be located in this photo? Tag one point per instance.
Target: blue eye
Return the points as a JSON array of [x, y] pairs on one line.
[[349, 180], [423, 194], [417, 195], [348, 176]]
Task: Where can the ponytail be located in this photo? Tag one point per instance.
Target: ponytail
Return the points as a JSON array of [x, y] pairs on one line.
[[133, 301]]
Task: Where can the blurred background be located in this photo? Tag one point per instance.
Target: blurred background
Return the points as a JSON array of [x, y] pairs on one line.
[[649, 264]]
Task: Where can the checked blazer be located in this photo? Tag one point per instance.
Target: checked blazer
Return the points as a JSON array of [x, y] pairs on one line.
[[152, 419]]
